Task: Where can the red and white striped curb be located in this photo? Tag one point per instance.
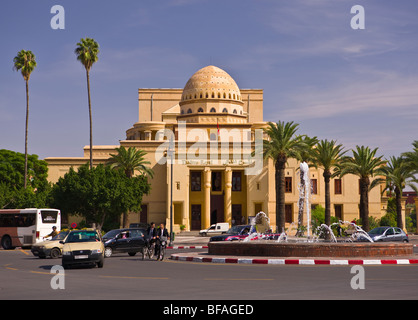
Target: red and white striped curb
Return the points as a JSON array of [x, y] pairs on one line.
[[187, 247], [296, 261]]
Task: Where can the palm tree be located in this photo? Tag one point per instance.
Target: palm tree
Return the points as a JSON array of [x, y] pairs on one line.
[[399, 175], [87, 53], [283, 143], [327, 155], [366, 166], [411, 158], [26, 63], [130, 160]]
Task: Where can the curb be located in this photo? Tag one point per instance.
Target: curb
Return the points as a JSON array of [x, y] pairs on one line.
[[187, 247], [296, 261]]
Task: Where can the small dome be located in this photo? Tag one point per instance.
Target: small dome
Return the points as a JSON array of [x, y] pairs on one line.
[[211, 83]]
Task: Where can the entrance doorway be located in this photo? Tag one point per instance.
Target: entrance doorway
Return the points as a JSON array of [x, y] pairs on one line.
[[237, 215], [216, 208], [196, 216], [143, 215]]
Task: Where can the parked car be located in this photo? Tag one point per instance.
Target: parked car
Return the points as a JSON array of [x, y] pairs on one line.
[[50, 248], [130, 240], [83, 247], [235, 233], [221, 227], [388, 234]]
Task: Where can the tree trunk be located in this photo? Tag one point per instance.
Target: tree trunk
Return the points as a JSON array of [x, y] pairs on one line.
[[90, 118], [398, 199], [280, 191], [26, 135], [327, 177], [364, 203]]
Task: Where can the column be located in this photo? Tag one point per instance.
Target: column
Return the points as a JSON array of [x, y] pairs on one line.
[[206, 207], [228, 196]]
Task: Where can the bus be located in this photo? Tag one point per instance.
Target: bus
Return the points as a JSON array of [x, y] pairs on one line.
[[24, 227]]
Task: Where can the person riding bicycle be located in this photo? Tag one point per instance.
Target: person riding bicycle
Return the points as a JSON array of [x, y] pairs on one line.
[[162, 235]]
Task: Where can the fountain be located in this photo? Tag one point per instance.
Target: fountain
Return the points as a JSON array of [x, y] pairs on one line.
[[311, 246]]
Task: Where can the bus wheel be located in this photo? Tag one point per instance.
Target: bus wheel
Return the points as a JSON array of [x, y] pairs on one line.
[[6, 243]]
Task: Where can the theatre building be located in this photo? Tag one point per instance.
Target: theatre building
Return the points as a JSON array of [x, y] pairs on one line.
[[215, 126]]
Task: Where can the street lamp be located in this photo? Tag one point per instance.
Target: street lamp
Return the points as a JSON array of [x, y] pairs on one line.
[[170, 154]]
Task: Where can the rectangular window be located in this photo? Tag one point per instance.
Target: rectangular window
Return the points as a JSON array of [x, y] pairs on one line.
[[338, 186], [196, 181], [216, 181], [314, 186], [288, 184], [236, 181]]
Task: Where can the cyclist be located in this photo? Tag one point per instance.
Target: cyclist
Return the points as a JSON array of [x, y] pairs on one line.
[[162, 235]]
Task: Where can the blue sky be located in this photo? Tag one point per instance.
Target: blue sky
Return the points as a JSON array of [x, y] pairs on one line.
[[359, 87]]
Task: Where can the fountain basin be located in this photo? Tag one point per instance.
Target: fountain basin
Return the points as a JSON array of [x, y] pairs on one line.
[[304, 249]]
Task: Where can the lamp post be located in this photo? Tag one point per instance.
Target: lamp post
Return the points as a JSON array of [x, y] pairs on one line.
[[170, 153]]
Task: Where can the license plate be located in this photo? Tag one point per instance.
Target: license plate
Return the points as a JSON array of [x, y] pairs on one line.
[[81, 257]]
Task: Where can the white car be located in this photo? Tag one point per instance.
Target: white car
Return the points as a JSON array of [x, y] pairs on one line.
[[220, 228]]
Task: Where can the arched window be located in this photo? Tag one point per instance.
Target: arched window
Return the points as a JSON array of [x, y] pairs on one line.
[[235, 111], [200, 110], [182, 111], [201, 96], [189, 111], [224, 95], [234, 95], [207, 95], [213, 110], [225, 110], [219, 95], [213, 94], [229, 96]]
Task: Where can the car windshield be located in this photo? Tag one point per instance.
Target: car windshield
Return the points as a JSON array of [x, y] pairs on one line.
[[82, 236], [377, 231], [111, 234], [235, 230], [60, 236]]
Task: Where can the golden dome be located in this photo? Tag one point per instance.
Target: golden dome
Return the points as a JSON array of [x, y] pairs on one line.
[[211, 83]]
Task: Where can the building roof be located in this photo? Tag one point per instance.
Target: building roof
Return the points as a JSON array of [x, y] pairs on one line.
[[211, 83]]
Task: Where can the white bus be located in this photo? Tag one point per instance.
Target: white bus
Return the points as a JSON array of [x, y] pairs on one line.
[[24, 227]]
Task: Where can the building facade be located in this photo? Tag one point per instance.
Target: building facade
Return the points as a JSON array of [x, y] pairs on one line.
[[214, 126]]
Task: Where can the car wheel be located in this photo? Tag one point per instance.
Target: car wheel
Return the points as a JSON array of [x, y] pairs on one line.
[[55, 253], [132, 253], [108, 252], [100, 264], [405, 241]]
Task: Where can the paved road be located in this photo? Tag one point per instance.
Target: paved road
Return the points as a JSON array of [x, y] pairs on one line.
[[23, 276]]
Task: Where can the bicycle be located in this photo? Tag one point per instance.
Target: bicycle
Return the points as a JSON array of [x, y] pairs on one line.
[[149, 250], [161, 245]]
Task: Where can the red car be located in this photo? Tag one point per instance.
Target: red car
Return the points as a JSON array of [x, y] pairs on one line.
[[241, 232]]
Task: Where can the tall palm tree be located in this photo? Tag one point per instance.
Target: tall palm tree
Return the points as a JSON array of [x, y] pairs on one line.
[[411, 157], [26, 63], [327, 155], [87, 53], [130, 160], [368, 168], [399, 175], [282, 143]]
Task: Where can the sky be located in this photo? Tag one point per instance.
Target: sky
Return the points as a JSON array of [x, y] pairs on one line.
[[356, 86]]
